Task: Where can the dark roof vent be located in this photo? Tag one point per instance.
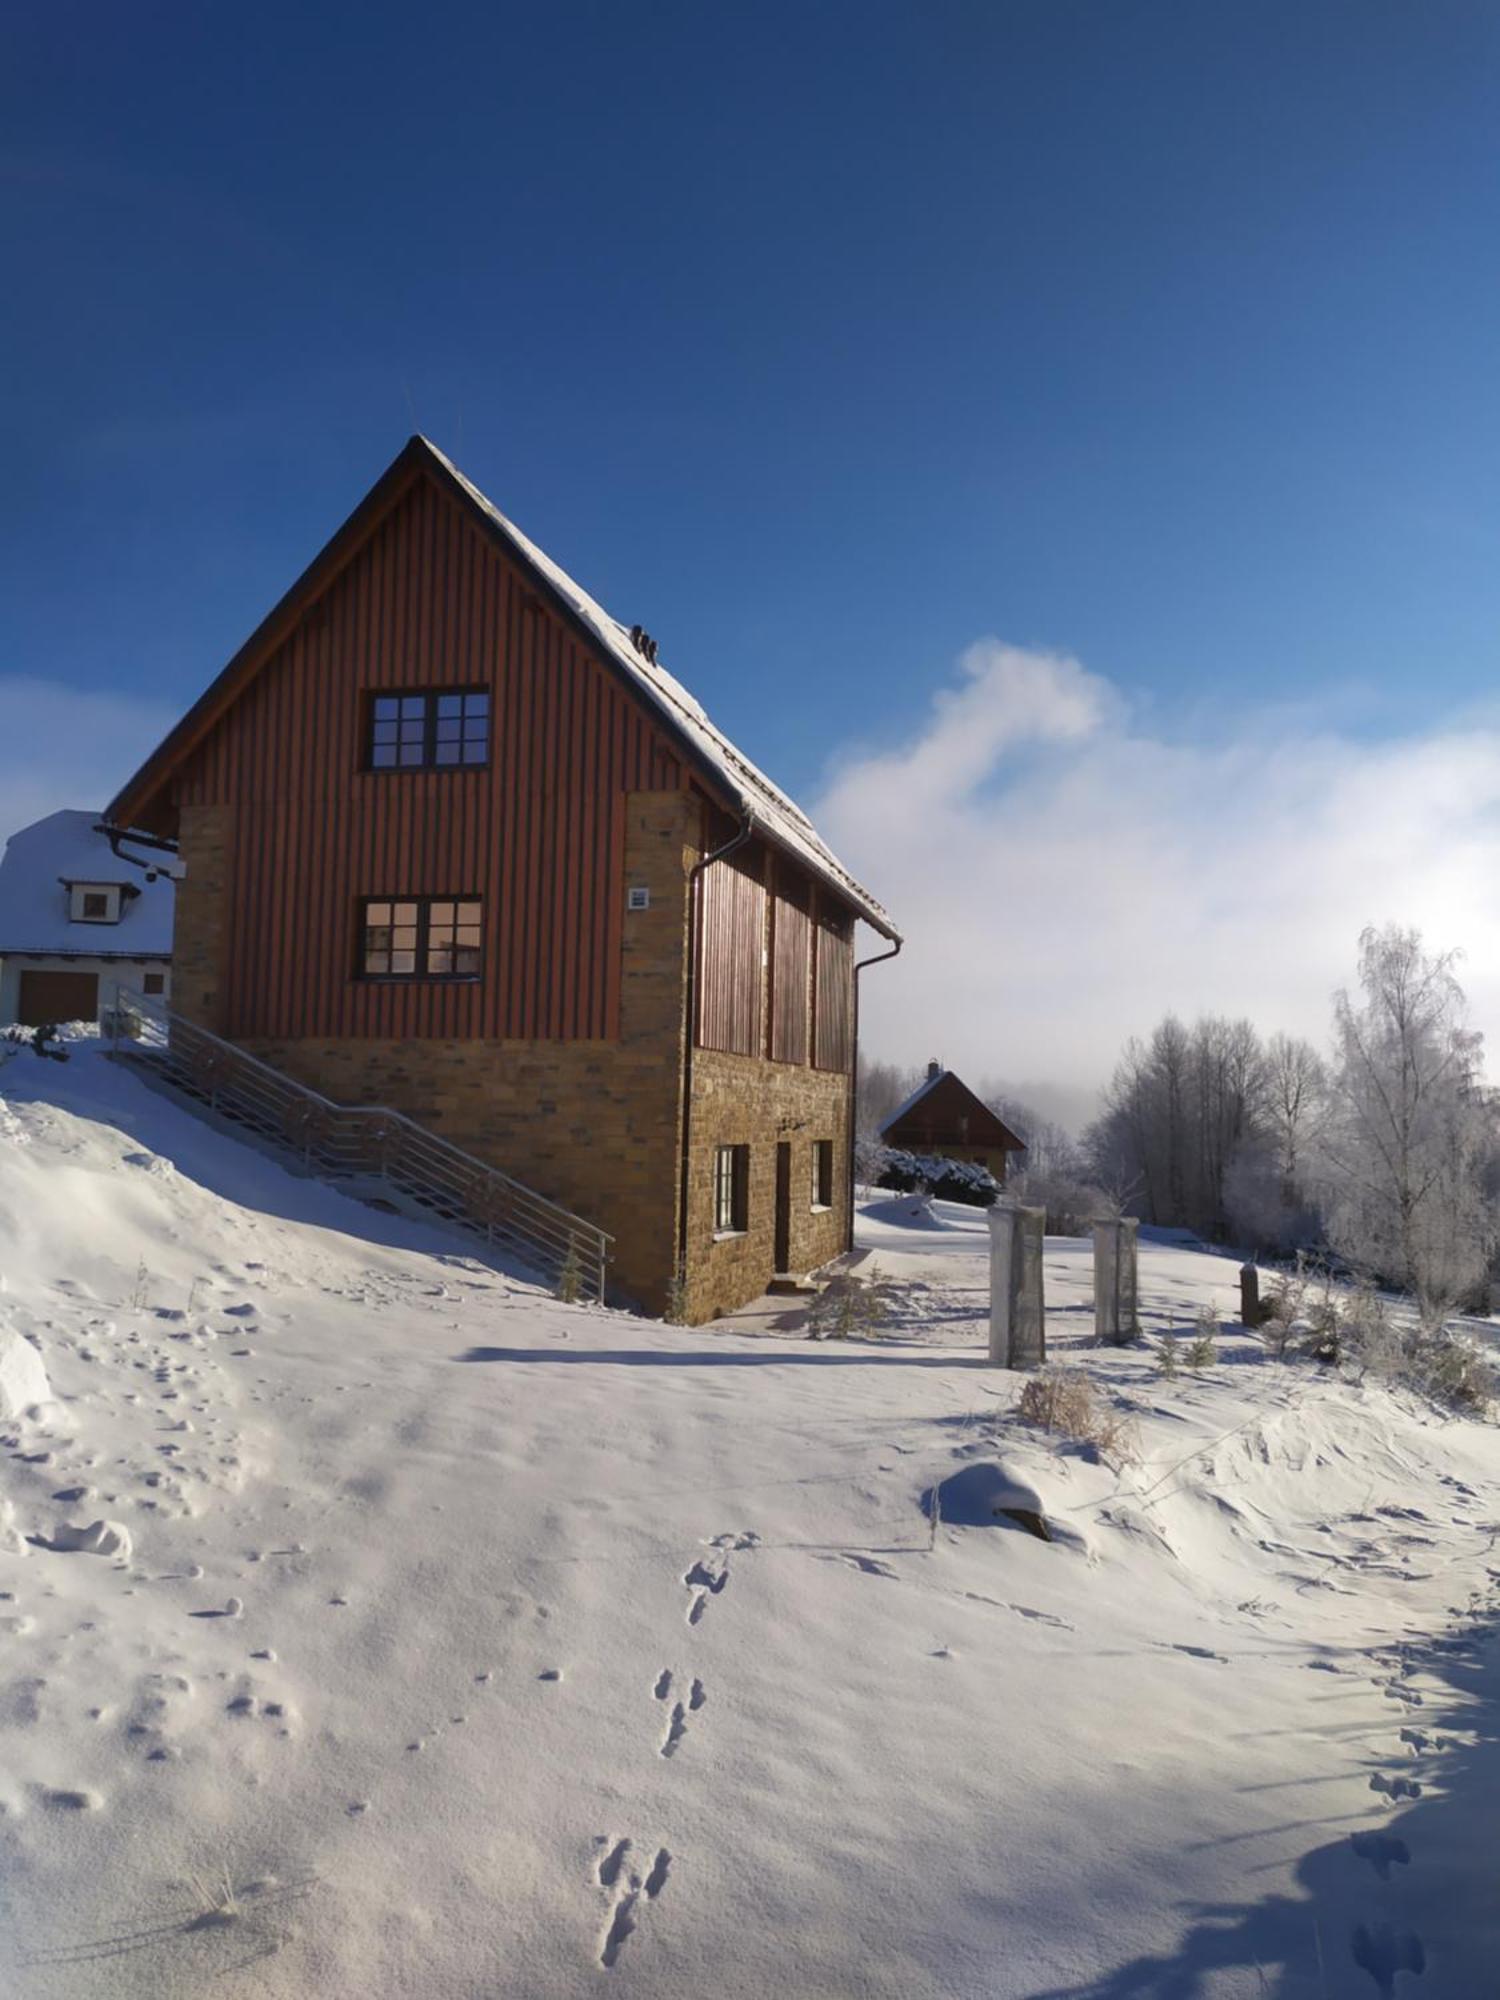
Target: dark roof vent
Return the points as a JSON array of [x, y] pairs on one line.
[[934, 1071], [643, 642]]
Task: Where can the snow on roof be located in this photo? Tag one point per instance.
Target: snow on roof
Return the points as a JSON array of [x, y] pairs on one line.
[[773, 814], [34, 903], [931, 1082], [927, 1083]]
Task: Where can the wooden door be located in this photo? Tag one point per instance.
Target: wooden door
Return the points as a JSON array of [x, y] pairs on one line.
[[783, 1206], [58, 996]]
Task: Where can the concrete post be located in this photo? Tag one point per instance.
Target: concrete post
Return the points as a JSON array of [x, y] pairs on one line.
[[1018, 1337], [1116, 1252], [1251, 1314]]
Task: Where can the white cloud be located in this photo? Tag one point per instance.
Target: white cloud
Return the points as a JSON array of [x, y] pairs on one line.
[[64, 746], [1066, 874]]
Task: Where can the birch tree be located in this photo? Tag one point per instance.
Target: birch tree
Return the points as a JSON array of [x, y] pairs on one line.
[[1405, 1150]]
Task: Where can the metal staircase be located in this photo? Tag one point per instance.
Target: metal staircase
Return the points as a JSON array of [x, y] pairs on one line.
[[361, 1147]]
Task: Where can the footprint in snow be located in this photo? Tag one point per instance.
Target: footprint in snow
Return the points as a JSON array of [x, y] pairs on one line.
[[1383, 1851], [677, 1724], [1383, 1952], [1395, 1788], [617, 1873]]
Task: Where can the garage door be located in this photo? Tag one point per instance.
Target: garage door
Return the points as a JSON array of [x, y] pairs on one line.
[[59, 996]]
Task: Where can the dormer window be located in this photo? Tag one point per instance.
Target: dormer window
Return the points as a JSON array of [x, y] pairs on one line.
[[96, 902]]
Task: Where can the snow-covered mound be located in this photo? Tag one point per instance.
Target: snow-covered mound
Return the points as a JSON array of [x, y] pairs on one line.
[[375, 1625]]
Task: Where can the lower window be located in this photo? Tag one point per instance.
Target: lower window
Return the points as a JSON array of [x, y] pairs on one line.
[[731, 1190], [420, 937], [154, 982], [822, 1173]]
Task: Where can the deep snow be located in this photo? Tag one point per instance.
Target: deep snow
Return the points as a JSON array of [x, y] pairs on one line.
[[480, 1645]]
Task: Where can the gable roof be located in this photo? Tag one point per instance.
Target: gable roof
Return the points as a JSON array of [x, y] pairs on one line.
[[948, 1099], [42, 859], [740, 784]]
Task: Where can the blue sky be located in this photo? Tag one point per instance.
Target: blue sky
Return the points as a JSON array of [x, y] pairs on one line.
[[824, 340]]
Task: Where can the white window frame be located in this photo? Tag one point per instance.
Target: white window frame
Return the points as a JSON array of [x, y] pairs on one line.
[[731, 1191]]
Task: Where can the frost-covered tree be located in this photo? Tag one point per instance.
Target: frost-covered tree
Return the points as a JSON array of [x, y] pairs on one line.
[[1266, 1195], [1409, 1132], [1179, 1110]]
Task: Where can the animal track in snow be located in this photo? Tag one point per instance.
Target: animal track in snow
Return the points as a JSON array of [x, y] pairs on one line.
[[867, 1565], [1395, 1788], [704, 1581], [1383, 1851], [1383, 1953], [707, 1577], [617, 1873], [677, 1725], [1026, 1611]]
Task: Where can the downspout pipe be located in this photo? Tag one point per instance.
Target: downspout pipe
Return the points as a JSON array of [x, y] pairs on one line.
[[695, 941], [879, 958]]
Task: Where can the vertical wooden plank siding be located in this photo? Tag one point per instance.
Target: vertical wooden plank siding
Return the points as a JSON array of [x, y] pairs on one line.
[[428, 602], [833, 979], [791, 966], [732, 954]]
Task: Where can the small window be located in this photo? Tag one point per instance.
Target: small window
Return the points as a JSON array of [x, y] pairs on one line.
[[822, 1173], [154, 982], [731, 1190], [420, 937], [430, 730], [93, 904]]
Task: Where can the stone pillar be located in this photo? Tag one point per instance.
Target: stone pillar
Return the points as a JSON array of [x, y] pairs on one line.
[[1115, 1257], [1018, 1335]]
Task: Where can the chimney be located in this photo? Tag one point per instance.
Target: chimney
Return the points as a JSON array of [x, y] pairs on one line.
[[934, 1071]]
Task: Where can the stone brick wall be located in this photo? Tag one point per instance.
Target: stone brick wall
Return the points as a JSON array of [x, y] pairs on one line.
[[740, 1100], [200, 923]]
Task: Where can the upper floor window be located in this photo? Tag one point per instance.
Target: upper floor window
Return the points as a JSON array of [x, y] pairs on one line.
[[431, 729], [420, 937]]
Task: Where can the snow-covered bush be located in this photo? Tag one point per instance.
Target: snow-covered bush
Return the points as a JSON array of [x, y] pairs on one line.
[[949, 1180], [1072, 1204], [871, 1156], [1311, 1315]]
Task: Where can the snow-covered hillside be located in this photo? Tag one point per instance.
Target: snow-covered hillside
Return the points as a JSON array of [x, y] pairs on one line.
[[482, 1645]]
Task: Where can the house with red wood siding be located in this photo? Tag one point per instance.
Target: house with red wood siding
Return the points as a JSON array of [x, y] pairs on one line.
[[945, 1119], [451, 839]]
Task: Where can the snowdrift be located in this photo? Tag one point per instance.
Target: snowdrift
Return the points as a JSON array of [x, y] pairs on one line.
[[373, 1624]]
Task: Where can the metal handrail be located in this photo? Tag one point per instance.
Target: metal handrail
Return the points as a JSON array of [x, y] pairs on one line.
[[363, 1141]]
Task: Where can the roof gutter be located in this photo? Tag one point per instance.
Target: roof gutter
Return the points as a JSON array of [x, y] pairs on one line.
[[690, 1026], [115, 834], [878, 958]]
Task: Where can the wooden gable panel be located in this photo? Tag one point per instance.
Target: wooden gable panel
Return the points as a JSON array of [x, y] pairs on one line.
[[428, 601], [791, 965], [732, 954], [833, 986]]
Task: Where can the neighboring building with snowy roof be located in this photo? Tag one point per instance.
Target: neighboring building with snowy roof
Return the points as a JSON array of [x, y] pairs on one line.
[[945, 1118], [455, 841], [75, 920]]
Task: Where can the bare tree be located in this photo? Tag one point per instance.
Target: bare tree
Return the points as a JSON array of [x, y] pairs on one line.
[[1408, 1136]]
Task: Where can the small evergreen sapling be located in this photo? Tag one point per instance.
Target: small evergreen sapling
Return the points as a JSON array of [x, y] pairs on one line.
[[1202, 1352], [569, 1286]]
